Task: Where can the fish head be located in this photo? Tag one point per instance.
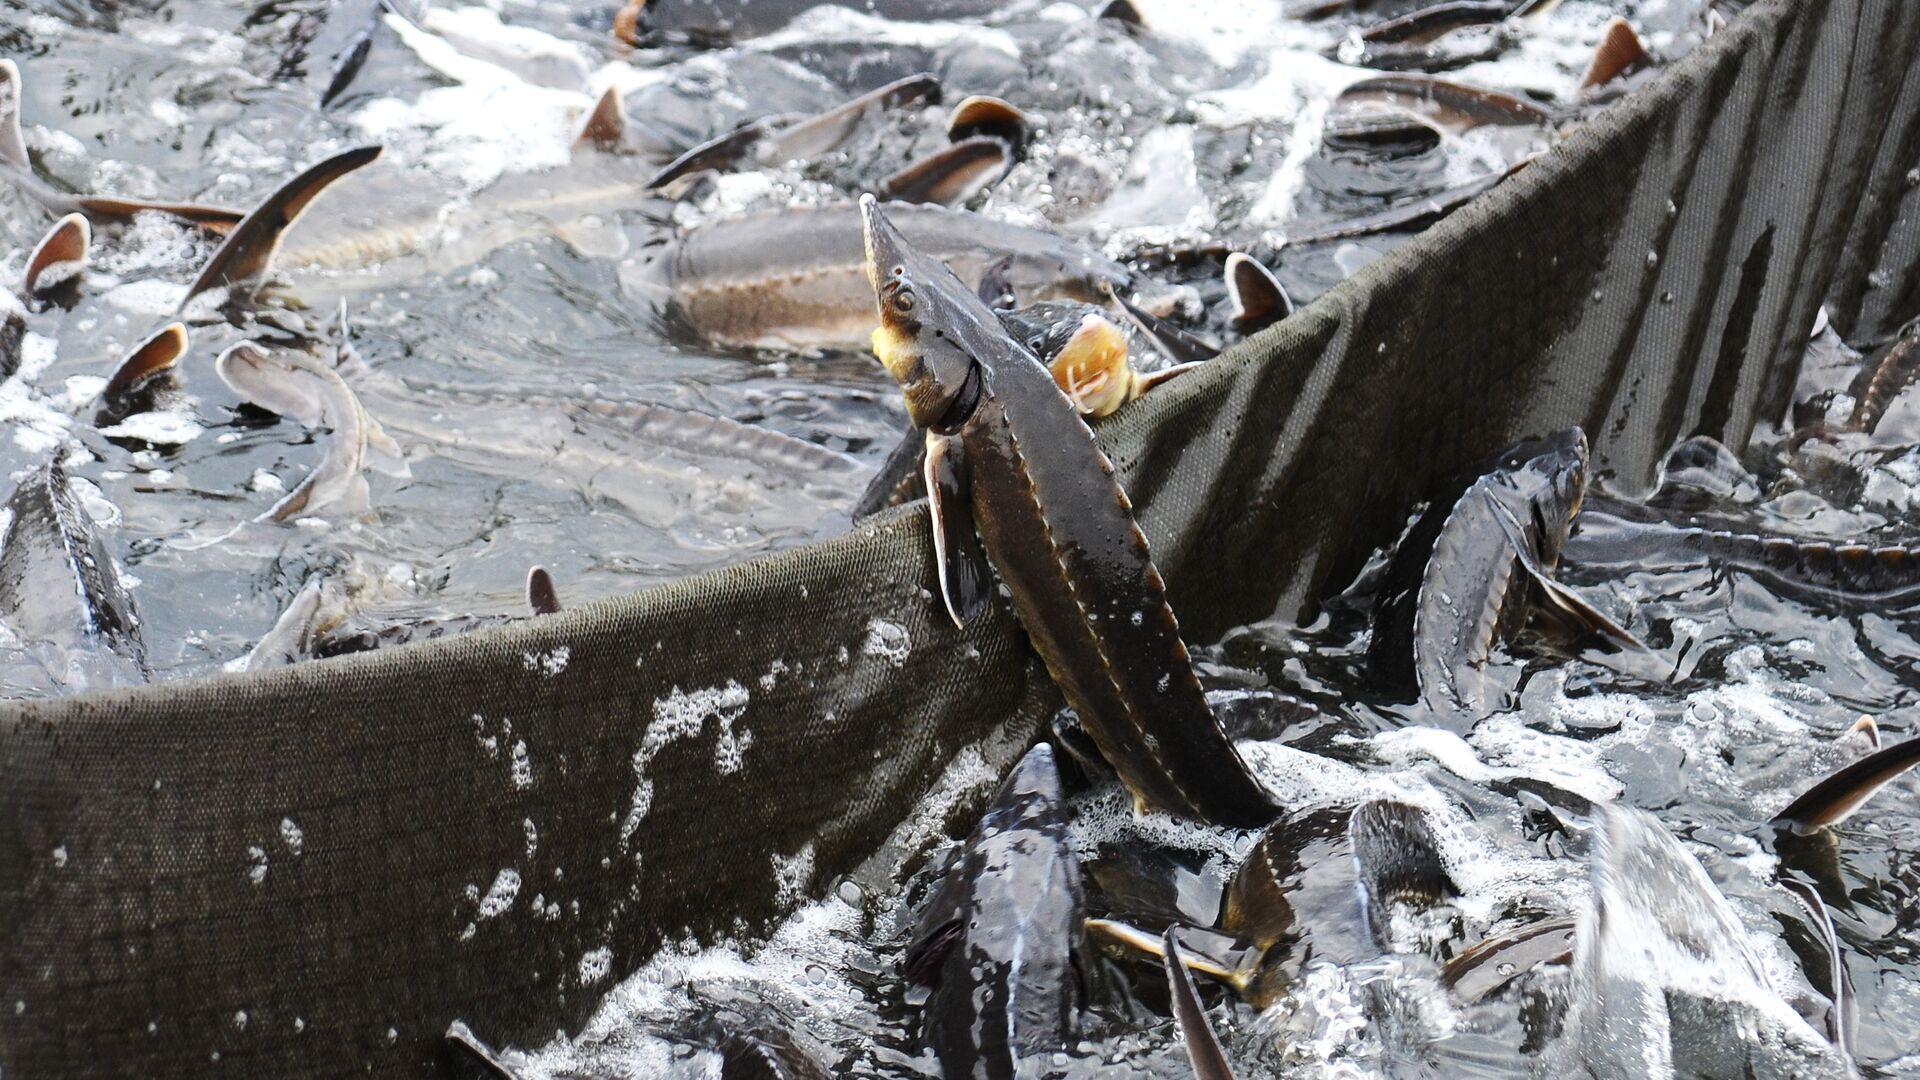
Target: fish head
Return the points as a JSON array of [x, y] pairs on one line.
[[933, 332], [1550, 476]]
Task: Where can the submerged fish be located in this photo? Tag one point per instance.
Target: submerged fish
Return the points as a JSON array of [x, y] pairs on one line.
[[63, 605], [998, 941], [797, 278], [1007, 453]]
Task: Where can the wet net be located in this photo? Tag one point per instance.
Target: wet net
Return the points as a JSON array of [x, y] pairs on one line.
[[314, 870]]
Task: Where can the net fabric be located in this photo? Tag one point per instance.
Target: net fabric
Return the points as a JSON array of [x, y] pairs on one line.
[[311, 872]]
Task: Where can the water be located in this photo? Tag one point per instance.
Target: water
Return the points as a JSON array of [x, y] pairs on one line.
[[1206, 130]]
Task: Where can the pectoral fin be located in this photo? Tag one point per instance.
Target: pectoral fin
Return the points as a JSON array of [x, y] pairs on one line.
[[1178, 345], [1834, 799], [962, 565], [247, 255], [1258, 297], [1203, 1048], [1561, 604]]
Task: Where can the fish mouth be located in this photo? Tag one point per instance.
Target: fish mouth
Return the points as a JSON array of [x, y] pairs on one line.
[[1091, 368]]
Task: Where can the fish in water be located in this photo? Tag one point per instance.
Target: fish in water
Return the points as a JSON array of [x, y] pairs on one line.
[[296, 386], [63, 606], [997, 942], [1320, 884], [1475, 568], [1008, 454], [797, 278]]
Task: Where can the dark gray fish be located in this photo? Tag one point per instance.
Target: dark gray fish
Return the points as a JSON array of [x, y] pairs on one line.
[[17, 168], [1428, 23], [1409, 214], [61, 597], [1006, 988], [1397, 860], [758, 1047], [352, 54], [1007, 453], [1452, 106], [1474, 568], [1196, 1032], [1835, 798], [797, 278], [246, 257], [294, 634]]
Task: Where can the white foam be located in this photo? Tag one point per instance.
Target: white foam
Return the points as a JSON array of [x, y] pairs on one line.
[[166, 428], [500, 895], [682, 715]]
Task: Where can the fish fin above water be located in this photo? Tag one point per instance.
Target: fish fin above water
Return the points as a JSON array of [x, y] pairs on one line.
[[951, 176], [291, 639], [1483, 968], [1562, 603], [1868, 728], [1618, 52], [1396, 855], [982, 115], [721, 152], [471, 1059], [1196, 1031], [1176, 344], [606, 125], [1842, 1013], [1123, 12], [1154, 379], [962, 566], [149, 360], [899, 480], [816, 135], [1258, 297], [1835, 798], [59, 257], [247, 255], [217, 219], [542, 597]]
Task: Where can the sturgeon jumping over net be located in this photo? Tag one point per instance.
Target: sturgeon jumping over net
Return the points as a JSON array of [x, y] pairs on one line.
[[1006, 451]]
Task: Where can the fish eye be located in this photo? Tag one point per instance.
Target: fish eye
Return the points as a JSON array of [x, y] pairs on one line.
[[903, 301]]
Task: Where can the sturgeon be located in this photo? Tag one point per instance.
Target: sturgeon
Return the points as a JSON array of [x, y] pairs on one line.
[[1007, 452], [797, 278], [61, 598]]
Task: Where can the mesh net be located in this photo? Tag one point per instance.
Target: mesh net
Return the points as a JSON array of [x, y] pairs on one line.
[[313, 871]]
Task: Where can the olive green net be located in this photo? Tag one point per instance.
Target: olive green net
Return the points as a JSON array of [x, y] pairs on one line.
[[313, 871]]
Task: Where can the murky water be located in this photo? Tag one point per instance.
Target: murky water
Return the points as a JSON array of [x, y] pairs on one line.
[[487, 340]]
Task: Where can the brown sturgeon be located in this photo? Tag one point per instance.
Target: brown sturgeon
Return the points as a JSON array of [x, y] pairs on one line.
[[797, 278], [1006, 452]]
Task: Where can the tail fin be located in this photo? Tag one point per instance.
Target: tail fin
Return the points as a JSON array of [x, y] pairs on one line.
[[13, 147]]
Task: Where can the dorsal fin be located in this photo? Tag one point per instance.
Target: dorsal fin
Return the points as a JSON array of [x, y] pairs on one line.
[[984, 115], [606, 125], [59, 257], [148, 360], [950, 176], [248, 253], [542, 597], [1258, 298], [1619, 51], [626, 23], [13, 147]]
